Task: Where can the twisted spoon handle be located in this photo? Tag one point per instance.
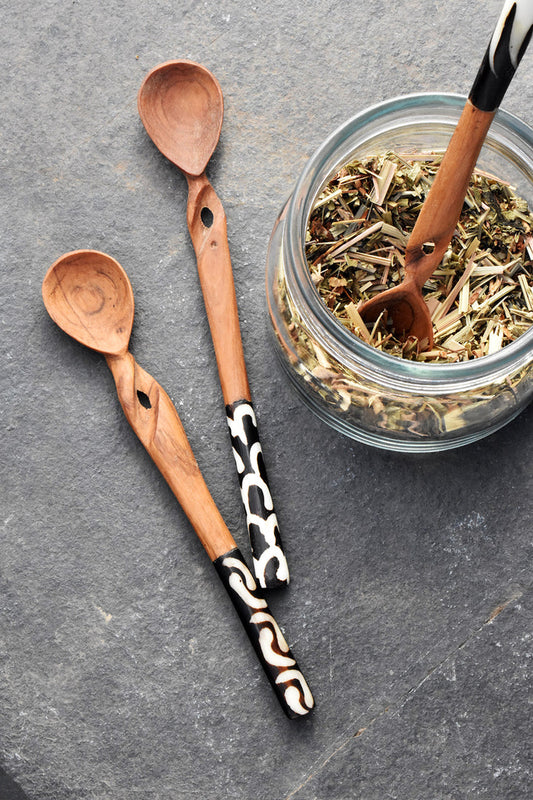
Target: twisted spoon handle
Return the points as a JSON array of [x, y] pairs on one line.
[[153, 417], [155, 420], [207, 225]]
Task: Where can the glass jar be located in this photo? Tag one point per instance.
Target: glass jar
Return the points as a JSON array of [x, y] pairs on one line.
[[373, 397]]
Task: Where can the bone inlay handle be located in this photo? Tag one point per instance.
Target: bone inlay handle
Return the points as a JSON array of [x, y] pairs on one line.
[[270, 565], [207, 226], [506, 48], [269, 643], [153, 417]]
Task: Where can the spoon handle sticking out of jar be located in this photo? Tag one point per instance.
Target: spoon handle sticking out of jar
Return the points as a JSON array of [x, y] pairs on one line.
[[436, 223], [181, 106], [88, 294], [441, 209]]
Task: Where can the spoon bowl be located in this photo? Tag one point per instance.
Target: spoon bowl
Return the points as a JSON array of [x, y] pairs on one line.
[[89, 296], [181, 106], [406, 308]]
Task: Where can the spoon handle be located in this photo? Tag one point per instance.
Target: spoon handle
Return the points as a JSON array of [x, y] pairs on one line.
[[207, 225], [153, 417], [436, 222], [442, 207], [507, 46]]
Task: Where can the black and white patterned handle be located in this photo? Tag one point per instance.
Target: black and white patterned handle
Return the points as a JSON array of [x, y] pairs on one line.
[[507, 46], [269, 561], [267, 639]]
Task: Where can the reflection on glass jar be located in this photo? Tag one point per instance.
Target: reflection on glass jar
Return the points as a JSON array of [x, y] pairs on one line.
[[364, 393]]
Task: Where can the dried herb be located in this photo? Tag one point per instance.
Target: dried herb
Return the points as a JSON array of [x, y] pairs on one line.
[[480, 297], [356, 399]]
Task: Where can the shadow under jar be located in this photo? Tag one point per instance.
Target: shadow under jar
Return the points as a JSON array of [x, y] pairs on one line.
[[373, 397]]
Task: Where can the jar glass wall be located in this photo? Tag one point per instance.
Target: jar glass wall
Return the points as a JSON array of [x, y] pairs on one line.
[[366, 394]]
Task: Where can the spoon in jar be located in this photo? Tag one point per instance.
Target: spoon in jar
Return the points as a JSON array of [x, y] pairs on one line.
[[181, 106], [436, 223], [88, 294]]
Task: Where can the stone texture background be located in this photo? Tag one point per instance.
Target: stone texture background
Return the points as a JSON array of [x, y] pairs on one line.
[[123, 671]]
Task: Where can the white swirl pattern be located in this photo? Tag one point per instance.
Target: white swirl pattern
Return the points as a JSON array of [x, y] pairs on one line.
[[266, 636], [523, 20], [270, 563]]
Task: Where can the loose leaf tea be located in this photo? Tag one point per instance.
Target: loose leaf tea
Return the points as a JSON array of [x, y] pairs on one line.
[[480, 297]]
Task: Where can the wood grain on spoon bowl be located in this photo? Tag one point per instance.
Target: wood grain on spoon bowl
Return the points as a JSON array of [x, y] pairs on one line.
[[181, 106], [88, 294]]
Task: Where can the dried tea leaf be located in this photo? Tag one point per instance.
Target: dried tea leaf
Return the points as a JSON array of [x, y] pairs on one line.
[[481, 296]]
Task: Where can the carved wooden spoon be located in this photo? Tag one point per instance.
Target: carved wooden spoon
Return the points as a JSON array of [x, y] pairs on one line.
[[181, 106], [88, 294], [442, 207]]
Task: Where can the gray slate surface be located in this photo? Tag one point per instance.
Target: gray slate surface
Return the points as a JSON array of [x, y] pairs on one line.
[[123, 671]]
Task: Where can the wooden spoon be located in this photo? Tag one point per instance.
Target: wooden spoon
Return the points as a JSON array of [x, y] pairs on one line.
[[181, 106], [88, 294], [438, 217]]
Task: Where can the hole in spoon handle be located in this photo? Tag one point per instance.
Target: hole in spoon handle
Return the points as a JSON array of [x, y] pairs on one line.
[[143, 399], [270, 563], [207, 216], [216, 279]]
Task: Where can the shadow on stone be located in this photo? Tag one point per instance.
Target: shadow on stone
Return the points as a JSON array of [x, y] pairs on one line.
[[9, 790]]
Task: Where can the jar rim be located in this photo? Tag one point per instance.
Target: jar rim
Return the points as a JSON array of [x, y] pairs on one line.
[[297, 212]]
